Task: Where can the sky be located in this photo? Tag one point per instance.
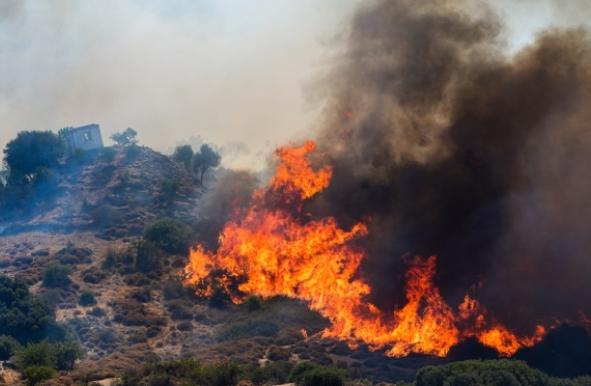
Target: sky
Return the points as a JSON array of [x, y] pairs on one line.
[[237, 73]]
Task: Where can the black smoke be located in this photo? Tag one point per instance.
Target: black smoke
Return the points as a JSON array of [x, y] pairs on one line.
[[451, 147]]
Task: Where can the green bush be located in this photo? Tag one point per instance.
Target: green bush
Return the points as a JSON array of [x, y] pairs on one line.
[[491, 373], [87, 299], [35, 354], [65, 354], [169, 235], [312, 374], [56, 276], [221, 374], [324, 377], [59, 356], [8, 346], [22, 315], [37, 374]]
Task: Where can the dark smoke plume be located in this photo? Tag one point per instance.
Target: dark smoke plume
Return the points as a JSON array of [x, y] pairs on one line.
[[452, 148]]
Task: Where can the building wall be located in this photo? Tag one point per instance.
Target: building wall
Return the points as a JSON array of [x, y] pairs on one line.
[[85, 138]]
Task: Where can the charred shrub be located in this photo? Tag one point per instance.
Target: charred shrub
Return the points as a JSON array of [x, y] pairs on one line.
[[169, 235], [179, 310]]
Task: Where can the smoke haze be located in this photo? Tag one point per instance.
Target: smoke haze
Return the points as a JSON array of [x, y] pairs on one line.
[[238, 74]]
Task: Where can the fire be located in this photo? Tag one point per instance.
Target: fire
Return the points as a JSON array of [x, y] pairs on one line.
[[274, 249]]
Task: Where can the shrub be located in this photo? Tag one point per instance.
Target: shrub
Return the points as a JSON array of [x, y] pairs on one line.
[[118, 257], [324, 377], [37, 374], [219, 299], [147, 257], [311, 374], [8, 346], [221, 374], [253, 304], [247, 329], [173, 289], [169, 235], [87, 299], [56, 276], [168, 191], [65, 354]]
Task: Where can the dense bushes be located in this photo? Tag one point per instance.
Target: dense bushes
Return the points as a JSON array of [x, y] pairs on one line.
[[59, 356], [191, 372], [311, 374], [23, 316], [490, 373]]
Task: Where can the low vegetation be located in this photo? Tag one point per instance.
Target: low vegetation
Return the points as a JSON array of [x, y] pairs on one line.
[[491, 373]]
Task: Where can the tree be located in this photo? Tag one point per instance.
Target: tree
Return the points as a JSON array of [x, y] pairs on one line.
[[184, 155], [30, 152], [125, 138], [205, 159]]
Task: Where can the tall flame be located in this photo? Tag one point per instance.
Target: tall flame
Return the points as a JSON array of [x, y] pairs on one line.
[[271, 249]]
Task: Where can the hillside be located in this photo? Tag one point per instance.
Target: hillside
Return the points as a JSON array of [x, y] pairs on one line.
[[107, 256]]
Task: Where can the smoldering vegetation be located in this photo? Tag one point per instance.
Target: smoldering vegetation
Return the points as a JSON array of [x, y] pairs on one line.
[[448, 146]]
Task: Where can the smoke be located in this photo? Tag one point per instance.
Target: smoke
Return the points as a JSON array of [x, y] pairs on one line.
[[452, 147], [171, 69]]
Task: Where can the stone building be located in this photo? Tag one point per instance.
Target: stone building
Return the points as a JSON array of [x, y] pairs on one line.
[[83, 138]]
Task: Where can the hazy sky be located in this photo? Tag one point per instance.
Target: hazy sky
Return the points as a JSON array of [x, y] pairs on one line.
[[229, 71]]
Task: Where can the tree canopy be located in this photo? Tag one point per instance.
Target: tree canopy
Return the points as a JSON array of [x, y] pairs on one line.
[[31, 152], [125, 138], [207, 158]]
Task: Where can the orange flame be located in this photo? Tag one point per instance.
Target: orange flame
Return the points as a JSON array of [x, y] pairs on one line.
[[270, 251]]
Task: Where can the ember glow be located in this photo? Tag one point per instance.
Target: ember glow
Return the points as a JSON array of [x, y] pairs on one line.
[[274, 249]]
